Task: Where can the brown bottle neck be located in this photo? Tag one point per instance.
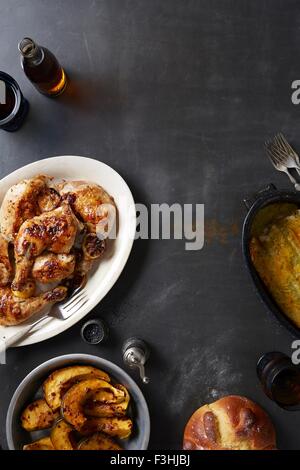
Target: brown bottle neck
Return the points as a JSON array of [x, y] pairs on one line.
[[32, 54]]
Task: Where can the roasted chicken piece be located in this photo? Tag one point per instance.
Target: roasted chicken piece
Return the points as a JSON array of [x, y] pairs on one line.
[[52, 267], [54, 230], [48, 200], [91, 203], [5, 266], [19, 204], [14, 310]]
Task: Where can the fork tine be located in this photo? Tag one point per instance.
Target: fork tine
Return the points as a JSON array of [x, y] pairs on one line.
[[79, 306], [274, 156], [72, 305], [274, 162], [277, 142], [74, 301], [268, 148], [72, 298], [281, 156], [268, 143], [284, 145], [284, 142]]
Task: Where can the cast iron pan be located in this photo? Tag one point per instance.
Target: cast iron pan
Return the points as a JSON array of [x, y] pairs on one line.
[[263, 198]]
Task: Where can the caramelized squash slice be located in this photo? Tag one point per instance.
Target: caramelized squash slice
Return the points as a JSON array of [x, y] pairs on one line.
[[38, 415], [73, 401], [120, 427], [96, 407], [63, 436], [98, 441], [56, 385], [44, 443]]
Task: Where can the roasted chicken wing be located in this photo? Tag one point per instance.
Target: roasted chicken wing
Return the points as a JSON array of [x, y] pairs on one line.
[[91, 203], [55, 231], [14, 310], [19, 204], [52, 267], [5, 266]]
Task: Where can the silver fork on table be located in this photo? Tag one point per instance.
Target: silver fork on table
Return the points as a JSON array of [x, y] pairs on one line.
[[283, 157], [62, 312]]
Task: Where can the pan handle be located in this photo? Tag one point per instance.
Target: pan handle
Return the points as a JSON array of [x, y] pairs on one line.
[[248, 202]]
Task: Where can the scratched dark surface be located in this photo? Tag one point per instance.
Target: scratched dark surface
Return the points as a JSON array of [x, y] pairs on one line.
[[179, 98]]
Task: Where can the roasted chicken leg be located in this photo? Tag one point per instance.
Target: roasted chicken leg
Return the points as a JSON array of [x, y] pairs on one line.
[[19, 204], [14, 310], [54, 230], [52, 267], [90, 202]]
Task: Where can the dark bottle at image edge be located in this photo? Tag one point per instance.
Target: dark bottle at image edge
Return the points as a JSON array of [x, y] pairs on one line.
[[42, 68]]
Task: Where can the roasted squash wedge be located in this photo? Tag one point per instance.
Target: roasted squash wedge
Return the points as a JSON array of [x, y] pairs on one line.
[[61, 380], [73, 401], [110, 394], [38, 415], [41, 444], [98, 441], [115, 427], [63, 436], [96, 407]]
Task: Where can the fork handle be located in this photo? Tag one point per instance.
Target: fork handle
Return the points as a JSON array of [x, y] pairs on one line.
[[297, 168], [8, 342], [293, 180]]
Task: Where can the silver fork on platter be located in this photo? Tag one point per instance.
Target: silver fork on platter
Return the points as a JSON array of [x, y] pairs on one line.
[[283, 157], [61, 311]]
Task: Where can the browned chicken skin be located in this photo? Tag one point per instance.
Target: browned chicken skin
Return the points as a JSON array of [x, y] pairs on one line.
[[5, 266], [52, 267], [54, 230], [40, 221], [14, 310], [90, 202], [48, 200], [19, 204]]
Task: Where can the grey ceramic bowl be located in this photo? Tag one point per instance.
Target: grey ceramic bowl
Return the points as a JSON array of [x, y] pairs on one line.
[[30, 388]]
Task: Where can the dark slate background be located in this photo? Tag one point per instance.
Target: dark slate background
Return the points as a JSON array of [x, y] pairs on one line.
[[178, 96]]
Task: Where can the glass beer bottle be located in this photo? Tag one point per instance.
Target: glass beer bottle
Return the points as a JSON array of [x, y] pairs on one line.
[[42, 68]]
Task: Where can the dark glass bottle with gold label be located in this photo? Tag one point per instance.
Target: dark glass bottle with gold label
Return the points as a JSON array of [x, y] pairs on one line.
[[42, 68]]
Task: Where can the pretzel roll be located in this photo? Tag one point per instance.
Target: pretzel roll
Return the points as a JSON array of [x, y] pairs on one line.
[[231, 423]]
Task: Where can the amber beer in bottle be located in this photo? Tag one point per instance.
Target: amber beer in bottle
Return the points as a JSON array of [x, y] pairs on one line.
[[42, 68]]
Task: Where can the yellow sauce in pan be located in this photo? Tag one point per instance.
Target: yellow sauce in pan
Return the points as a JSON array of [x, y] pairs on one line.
[[275, 253]]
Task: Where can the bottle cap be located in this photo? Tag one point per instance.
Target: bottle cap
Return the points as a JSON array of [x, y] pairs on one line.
[[27, 47]]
